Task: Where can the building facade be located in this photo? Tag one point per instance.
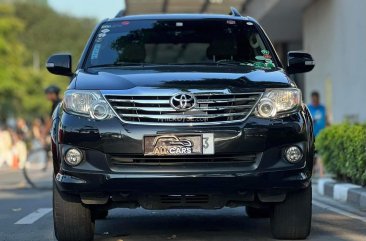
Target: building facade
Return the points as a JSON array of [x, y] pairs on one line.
[[333, 31]]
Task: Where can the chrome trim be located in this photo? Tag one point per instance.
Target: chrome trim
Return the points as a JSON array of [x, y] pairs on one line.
[[183, 102], [141, 101], [159, 93], [168, 109], [68, 179], [196, 116], [223, 101]]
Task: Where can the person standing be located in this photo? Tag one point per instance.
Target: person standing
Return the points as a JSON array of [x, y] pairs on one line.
[[6, 147], [53, 95], [319, 115], [318, 112]]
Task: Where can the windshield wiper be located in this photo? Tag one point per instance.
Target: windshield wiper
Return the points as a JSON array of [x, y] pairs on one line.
[[120, 64], [232, 62]]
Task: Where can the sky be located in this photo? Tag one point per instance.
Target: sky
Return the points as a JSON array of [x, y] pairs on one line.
[[99, 9]]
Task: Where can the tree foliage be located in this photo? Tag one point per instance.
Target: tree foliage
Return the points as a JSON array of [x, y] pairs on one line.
[[47, 31], [29, 32]]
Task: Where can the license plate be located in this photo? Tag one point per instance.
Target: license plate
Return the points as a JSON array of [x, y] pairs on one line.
[[179, 144]]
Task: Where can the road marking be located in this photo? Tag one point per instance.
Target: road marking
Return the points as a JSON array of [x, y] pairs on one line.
[[33, 217], [339, 211]]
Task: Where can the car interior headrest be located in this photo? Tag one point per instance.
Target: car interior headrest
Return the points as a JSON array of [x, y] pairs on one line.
[[222, 48]]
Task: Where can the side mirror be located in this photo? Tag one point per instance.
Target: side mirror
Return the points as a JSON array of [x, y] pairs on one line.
[[299, 62], [60, 64]]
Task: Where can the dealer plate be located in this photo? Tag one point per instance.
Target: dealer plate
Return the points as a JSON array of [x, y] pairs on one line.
[[179, 144]]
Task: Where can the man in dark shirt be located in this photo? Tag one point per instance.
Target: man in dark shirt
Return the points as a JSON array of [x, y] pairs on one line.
[[52, 93]]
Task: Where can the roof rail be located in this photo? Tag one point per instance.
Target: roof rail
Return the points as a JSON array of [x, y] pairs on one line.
[[120, 14], [234, 12]]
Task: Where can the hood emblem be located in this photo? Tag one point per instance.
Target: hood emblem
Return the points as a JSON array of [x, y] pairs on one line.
[[183, 101]]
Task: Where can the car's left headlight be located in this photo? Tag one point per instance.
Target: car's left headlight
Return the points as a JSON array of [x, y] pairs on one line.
[[277, 103], [87, 103]]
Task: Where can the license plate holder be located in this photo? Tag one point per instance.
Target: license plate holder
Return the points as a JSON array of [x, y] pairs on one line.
[[178, 144]]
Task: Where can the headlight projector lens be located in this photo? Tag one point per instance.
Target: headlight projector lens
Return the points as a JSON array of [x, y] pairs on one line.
[[266, 108], [293, 154], [73, 157], [279, 103], [100, 111]]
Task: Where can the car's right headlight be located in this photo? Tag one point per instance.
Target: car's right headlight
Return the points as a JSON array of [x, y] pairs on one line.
[[277, 103], [87, 103]]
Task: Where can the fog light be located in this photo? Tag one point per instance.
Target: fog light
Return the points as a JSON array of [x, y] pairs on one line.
[[73, 157], [293, 154]]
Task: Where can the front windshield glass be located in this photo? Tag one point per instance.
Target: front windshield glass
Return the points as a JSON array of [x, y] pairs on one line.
[[175, 42]]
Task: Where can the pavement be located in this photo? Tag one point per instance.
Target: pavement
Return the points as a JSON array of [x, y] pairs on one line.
[[26, 214]]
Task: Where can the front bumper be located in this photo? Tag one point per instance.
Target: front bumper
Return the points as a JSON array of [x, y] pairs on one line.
[[164, 191], [265, 178]]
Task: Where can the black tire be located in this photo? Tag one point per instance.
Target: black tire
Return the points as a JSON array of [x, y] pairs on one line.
[[253, 212], [99, 214], [72, 221], [291, 219]]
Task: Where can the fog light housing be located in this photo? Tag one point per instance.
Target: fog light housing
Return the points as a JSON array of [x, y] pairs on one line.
[[73, 157], [293, 154]]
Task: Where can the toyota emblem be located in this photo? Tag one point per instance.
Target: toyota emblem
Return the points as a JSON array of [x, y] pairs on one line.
[[183, 101]]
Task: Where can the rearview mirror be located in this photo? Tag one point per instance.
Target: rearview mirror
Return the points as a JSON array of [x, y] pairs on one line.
[[60, 64], [299, 62]]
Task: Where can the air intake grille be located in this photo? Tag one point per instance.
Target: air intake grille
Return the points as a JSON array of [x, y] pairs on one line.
[[141, 160], [209, 108], [184, 199]]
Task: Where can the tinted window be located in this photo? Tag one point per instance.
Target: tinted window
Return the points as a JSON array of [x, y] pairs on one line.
[[179, 42]]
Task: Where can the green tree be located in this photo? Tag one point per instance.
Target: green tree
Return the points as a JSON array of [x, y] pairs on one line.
[[47, 32], [29, 33], [11, 52]]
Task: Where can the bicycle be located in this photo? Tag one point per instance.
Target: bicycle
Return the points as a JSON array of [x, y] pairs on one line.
[[38, 169]]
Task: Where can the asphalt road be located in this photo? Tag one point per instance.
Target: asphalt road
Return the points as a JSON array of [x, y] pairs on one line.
[[26, 214]]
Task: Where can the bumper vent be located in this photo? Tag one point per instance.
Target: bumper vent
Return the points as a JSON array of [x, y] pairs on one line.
[[243, 159], [184, 199], [210, 108]]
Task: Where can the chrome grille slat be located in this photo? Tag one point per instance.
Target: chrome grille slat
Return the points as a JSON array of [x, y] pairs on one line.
[[210, 108], [170, 109], [220, 93], [140, 101], [209, 101], [184, 116]]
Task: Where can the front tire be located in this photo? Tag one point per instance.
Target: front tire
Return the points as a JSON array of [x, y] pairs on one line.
[[72, 221], [291, 219]]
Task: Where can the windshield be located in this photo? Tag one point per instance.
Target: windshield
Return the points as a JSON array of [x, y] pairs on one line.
[[175, 42]]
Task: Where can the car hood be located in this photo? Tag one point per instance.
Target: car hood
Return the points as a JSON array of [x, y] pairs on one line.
[[180, 78]]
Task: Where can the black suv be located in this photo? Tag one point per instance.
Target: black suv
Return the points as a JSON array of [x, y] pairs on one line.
[[182, 111]]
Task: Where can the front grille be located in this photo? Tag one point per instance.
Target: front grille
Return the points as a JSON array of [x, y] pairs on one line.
[[210, 108], [141, 160]]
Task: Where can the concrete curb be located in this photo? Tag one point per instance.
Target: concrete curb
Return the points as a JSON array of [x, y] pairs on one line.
[[343, 192]]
